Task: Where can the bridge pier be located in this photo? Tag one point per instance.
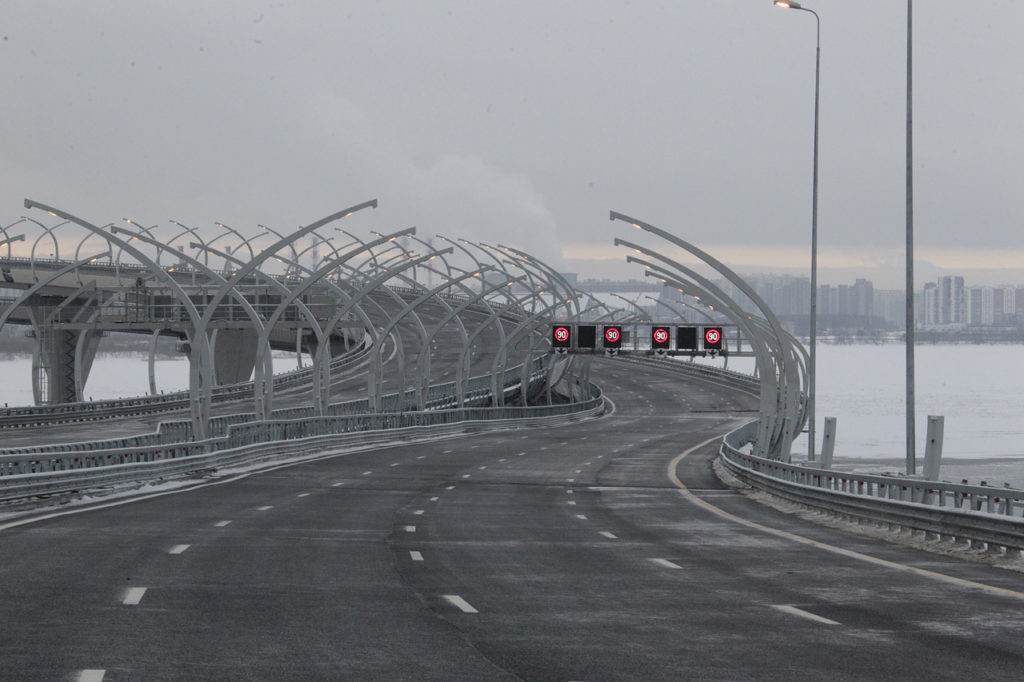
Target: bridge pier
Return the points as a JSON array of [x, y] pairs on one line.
[[234, 354], [61, 362]]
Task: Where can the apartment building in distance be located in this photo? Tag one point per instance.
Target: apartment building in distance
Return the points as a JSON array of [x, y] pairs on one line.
[[948, 302]]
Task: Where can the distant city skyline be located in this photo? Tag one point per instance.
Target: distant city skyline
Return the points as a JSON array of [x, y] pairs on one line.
[[948, 302]]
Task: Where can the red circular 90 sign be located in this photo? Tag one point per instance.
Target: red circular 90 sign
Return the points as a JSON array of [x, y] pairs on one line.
[[712, 336], [661, 335], [611, 334], [561, 334]]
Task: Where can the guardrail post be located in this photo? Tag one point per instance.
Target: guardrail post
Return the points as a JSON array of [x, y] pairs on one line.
[[933, 448], [828, 443]]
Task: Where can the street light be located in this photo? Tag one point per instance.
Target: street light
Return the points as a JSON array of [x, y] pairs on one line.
[[812, 367]]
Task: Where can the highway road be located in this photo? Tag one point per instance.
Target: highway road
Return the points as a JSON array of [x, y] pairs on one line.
[[603, 550]]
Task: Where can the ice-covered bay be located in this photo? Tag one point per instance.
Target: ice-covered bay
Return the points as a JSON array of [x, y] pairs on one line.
[[112, 376], [978, 389]]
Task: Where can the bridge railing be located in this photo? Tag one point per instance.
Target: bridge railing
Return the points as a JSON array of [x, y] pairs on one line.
[[15, 417], [719, 375], [273, 439], [945, 511], [176, 437], [974, 515]]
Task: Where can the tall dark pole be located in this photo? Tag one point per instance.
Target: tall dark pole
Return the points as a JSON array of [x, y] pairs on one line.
[[911, 460], [812, 373]]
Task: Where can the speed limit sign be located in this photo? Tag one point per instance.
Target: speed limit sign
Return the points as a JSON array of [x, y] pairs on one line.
[[612, 337], [561, 337], [712, 338], [659, 338]]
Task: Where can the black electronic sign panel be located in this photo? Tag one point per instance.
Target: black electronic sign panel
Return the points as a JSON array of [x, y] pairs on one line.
[[613, 337], [713, 338], [659, 338], [561, 336], [686, 338], [586, 336]]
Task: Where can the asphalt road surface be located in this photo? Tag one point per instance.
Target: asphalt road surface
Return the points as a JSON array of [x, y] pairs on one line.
[[604, 550]]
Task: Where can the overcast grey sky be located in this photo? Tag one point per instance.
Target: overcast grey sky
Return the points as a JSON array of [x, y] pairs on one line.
[[526, 122]]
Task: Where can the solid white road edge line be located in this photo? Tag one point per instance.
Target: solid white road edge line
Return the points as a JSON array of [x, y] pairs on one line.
[[822, 545]]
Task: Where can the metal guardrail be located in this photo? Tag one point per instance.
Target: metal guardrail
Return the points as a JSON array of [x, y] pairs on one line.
[[962, 513], [726, 377], [279, 439], [180, 432], [64, 413], [966, 514]]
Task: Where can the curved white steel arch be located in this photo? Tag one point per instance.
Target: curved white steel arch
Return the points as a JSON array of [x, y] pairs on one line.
[[201, 364]]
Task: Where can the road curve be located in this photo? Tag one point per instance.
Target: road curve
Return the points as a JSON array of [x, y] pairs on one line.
[[588, 552]]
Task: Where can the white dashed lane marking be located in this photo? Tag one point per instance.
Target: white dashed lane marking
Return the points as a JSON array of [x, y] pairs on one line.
[[609, 535], [415, 556], [410, 529], [665, 562], [133, 595], [581, 517], [91, 675], [460, 603], [178, 549], [221, 524], [792, 610]]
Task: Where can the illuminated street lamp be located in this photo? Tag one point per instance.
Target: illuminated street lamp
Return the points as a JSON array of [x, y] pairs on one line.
[[811, 369]]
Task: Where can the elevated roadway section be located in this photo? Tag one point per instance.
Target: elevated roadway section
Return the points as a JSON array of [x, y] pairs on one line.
[[605, 550]]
